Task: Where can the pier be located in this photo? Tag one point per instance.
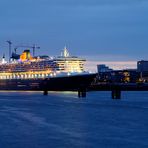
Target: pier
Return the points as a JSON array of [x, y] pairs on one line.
[[117, 88], [82, 92]]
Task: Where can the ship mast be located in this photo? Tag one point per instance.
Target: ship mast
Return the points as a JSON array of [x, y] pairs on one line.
[[34, 47], [65, 52]]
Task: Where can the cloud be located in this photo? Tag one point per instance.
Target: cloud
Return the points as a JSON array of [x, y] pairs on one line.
[[116, 65], [74, 3], [115, 27], [93, 2]]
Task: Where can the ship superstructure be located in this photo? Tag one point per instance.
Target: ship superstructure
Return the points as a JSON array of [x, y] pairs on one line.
[[25, 66]]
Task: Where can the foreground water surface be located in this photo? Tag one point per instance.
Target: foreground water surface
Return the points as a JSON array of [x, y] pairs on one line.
[[31, 120]]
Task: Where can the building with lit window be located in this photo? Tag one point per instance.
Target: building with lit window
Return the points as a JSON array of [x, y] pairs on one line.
[[119, 76], [103, 68], [142, 68]]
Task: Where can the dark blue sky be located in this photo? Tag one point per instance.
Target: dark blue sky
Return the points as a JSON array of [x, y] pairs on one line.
[[108, 30]]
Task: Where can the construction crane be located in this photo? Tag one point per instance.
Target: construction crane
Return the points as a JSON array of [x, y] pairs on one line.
[[10, 43], [33, 47]]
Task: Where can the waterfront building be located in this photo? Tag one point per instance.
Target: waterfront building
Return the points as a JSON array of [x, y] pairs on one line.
[[119, 76], [142, 68], [103, 68]]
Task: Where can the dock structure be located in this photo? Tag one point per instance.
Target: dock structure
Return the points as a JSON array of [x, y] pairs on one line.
[[116, 89], [45, 92], [116, 92], [82, 93], [45, 88], [81, 90]]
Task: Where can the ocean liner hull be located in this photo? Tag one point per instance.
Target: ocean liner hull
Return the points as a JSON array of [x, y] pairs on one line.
[[64, 83]]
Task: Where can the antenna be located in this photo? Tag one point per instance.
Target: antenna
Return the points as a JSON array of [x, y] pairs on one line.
[[10, 43], [3, 55], [65, 52], [34, 47]]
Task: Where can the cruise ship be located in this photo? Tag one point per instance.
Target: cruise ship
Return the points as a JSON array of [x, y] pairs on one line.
[[27, 72]]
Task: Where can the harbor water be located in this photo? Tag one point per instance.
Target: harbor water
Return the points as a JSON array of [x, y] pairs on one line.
[[61, 119]]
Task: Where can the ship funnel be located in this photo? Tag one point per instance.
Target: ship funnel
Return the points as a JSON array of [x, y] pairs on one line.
[[26, 55]]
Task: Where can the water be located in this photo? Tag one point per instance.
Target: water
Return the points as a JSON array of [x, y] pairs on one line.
[[31, 120]]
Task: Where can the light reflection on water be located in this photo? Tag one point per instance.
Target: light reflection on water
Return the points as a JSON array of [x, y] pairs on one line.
[[98, 95], [61, 119]]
